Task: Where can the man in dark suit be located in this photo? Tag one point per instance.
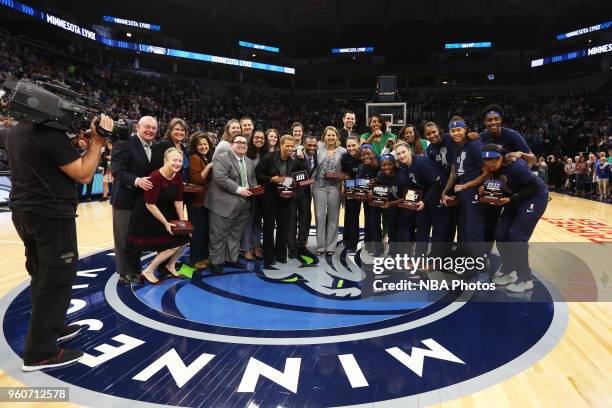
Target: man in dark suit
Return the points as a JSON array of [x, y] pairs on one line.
[[228, 200], [300, 213], [271, 171], [131, 167]]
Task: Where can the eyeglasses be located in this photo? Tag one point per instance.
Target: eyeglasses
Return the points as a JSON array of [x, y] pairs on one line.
[[241, 143]]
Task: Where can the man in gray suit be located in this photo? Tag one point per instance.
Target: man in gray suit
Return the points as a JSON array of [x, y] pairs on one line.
[[228, 200]]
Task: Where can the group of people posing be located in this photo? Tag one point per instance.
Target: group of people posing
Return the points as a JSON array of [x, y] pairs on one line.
[[254, 191]]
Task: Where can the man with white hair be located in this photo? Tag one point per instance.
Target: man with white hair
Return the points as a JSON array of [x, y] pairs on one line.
[[131, 168]]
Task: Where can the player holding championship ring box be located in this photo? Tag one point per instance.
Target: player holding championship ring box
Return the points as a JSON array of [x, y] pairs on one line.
[[361, 190], [193, 188], [411, 200], [349, 189], [491, 191], [380, 196], [286, 188], [181, 227], [301, 178]]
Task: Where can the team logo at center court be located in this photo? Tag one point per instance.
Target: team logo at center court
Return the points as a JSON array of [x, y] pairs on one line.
[[295, 336]]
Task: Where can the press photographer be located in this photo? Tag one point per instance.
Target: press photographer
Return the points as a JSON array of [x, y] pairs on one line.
[[45, 167]]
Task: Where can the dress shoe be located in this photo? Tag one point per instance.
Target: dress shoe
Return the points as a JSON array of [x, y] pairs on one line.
[[203, 264], [129, 278], [236, 265], [216, 269], [282, 260], [292, 254]]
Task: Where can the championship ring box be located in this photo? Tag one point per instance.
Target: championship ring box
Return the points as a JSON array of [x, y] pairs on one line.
[[181, 227], [492, 192], [380, 196], [192, 188], [334, 176], [361, 189], [411, 200], [257, 190], [452, 201], [301, 178], [349, 188], [285, 189]]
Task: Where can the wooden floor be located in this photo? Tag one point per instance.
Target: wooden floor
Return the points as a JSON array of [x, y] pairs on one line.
[[575, 374]]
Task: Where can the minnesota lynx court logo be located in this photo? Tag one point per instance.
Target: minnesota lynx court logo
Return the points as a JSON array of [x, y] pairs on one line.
[[291, 337]]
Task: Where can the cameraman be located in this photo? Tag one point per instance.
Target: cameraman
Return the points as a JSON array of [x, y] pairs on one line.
[[44, 168]]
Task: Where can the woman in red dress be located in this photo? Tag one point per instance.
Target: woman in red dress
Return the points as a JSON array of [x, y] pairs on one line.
[[150, 226]]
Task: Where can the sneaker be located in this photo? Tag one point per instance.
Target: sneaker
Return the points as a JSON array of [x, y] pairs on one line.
[[63, 358], [505, 279], [520, 287], [69, 332], [498, 274]]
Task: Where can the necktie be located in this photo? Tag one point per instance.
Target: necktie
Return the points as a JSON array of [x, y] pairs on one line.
[[243, 177], [147, 149]]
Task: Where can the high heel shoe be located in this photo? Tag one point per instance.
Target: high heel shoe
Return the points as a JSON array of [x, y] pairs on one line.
[[167, 271], [144, 277]]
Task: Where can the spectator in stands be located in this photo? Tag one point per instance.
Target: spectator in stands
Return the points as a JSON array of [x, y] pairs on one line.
[[105, 163], [542, 169], [570, 174], [82, 144], [602, 170], [581, 173], [591, 175]]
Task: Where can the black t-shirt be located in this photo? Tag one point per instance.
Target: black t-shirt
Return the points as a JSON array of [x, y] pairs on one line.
[[350, 165], [38, 184]]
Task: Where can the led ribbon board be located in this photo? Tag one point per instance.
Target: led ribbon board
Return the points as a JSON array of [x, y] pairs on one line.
[[258, 46], [599, 49], [137, 24], [83, 32], [451, 46], [351, 50], [586, 30]]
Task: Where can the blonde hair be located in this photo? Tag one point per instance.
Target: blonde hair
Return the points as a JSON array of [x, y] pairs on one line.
[[284, 138], [333, 129], [171, 150]]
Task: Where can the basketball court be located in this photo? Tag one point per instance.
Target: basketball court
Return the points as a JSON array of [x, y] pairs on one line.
[[306, 336]]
